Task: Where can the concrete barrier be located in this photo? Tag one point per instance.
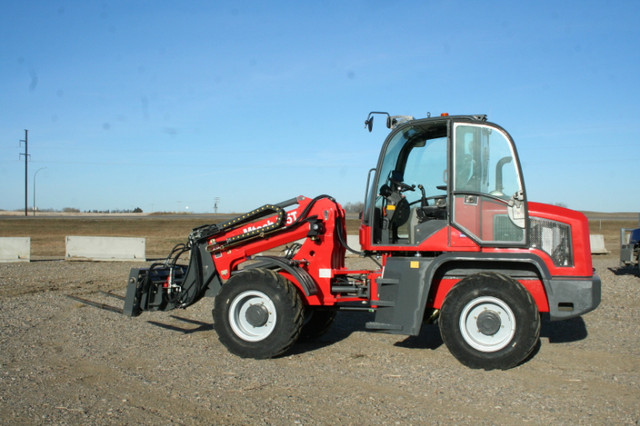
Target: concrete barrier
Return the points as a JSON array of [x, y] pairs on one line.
[[353, 241], [15, 249], [597, 244], [105, 248]]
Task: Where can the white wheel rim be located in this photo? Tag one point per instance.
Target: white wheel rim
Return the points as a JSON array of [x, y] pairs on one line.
[[238, 316], [488, 306]]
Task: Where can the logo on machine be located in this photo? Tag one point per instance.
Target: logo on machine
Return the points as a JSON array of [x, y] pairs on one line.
[[291, 217]]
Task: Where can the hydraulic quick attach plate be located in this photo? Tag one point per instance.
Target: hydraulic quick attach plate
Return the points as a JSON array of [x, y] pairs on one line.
[[150, 289]]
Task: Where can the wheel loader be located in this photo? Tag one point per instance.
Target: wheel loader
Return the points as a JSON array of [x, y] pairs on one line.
[[446, 220]]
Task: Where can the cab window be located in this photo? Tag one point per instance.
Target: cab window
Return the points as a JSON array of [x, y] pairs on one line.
[[487, 189]]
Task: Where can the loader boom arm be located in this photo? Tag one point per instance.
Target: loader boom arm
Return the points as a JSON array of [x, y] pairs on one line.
[[314, 229]]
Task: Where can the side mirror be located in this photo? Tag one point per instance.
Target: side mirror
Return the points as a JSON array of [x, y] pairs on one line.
[[368, 124], [515, 209]]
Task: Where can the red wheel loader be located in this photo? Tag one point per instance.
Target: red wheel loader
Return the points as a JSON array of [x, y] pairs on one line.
[[447, 219]]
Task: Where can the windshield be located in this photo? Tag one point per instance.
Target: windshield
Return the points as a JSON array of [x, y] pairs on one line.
[[416, 156]]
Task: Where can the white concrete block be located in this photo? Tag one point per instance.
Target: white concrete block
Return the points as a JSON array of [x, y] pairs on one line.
[[105, 248], [597, 244], [353, 241], [15, 249]]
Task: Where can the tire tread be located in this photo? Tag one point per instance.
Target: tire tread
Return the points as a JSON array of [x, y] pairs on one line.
[[501, 286], [286, 332]]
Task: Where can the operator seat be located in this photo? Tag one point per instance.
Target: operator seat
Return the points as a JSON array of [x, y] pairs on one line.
[[424, 220]]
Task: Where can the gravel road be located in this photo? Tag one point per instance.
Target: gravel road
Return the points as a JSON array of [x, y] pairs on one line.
[[65, 362]]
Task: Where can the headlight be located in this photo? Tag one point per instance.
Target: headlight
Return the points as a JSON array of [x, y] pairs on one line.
[[554, 238]]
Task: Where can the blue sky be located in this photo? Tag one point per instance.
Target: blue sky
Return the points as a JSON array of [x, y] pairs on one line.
[[168, 105]]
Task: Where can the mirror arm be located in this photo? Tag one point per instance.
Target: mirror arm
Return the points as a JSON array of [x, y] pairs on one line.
[[368, 123]]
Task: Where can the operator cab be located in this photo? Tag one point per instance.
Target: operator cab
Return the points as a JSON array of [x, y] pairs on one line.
[[458, 172]]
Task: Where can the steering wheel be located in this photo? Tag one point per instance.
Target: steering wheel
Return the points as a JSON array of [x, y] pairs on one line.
[[401, 186]]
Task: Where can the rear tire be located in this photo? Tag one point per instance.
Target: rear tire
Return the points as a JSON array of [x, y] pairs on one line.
[[316, 323], [489, 321], [258, 314]]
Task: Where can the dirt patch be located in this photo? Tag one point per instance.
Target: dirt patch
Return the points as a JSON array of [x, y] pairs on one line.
[[66, 362]]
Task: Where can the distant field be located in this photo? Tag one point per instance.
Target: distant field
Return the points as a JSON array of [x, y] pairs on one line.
[[163, 232], [610, 228]]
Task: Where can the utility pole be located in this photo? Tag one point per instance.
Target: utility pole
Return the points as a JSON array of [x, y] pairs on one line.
[[26, 166]]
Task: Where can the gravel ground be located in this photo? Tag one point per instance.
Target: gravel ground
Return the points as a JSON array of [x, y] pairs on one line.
[[65, 362]]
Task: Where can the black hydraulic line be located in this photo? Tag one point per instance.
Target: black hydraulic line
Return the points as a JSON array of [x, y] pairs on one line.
[[341, 233], [305, 212], [196, 262], [301, 275], [260, 232], [208, 231]]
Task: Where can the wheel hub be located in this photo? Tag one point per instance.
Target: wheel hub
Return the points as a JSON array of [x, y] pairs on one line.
[[257, 315], [252, 316], [489, 323]]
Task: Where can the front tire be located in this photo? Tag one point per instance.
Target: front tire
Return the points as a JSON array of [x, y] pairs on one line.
[[489, 321], [258, 314]]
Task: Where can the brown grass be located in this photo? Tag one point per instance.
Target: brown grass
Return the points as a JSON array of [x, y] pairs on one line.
[[162, 233], [48, 234]]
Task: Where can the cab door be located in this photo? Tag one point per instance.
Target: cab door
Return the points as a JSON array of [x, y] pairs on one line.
[[488, 195], [407, 202]]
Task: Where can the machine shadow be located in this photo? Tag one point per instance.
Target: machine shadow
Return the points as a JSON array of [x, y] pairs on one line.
[[202, 326], [343, 326], [429, 338], [626, 270], [346, 323], [570, 330], [566, 331]]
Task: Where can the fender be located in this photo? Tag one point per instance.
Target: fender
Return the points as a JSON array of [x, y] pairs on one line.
[[563, 297], [405, 286], [491, 258], [306, 283]]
